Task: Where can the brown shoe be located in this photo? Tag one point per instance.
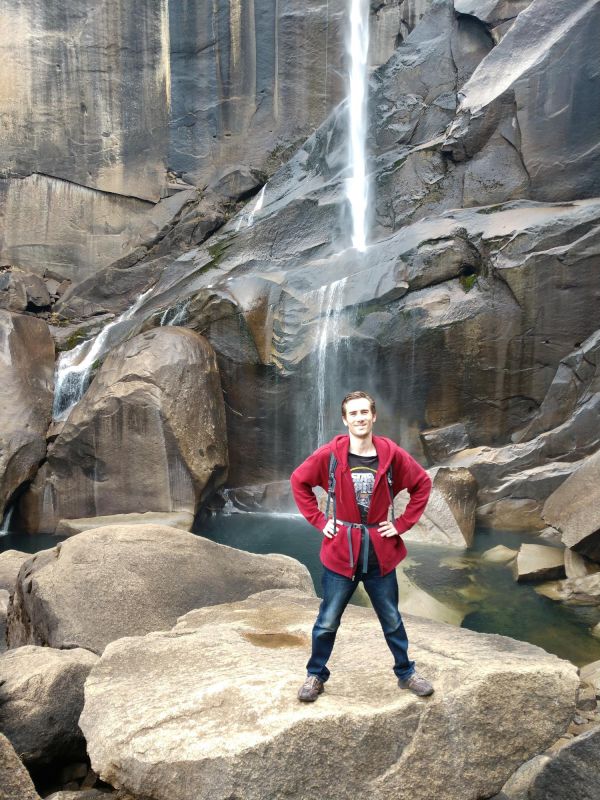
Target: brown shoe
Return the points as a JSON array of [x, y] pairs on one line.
[[310, 689], [416, 684]]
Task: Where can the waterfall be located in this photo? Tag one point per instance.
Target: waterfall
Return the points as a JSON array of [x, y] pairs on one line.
[[247, 217], [329, 298], [356, 184], [74, 368], [5, 529], [175, 315]]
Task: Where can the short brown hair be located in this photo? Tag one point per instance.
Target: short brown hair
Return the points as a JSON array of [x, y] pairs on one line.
[[358, 396]]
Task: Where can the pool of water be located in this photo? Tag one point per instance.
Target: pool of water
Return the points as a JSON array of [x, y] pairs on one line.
[[485, 593], [491, 600]]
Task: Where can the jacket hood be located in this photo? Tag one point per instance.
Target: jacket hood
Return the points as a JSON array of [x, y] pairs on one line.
[[384, 447]]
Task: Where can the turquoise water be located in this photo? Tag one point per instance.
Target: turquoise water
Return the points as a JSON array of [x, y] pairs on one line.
[[491, 600]]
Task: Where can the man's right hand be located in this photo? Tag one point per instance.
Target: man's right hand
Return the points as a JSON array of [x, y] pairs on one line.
[[329, 530]]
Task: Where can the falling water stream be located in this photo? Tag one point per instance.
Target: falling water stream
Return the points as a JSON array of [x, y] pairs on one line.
[[356, 185], [5, 529], [330, 304], [74, 368]]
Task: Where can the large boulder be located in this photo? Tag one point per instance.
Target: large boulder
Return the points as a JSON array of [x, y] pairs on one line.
[[449, 517], [574, 772], [125, 580], [26, 385], [41, 698], [536, 562], [16, 783], [159, 721], [148, 435], [574, 508]]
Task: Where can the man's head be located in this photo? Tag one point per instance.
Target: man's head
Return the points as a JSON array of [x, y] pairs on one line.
[[359, 414]]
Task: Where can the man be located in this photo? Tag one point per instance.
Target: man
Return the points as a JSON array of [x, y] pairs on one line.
[[359, 543]]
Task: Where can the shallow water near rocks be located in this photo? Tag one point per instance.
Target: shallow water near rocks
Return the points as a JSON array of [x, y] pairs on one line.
[[488, 595]]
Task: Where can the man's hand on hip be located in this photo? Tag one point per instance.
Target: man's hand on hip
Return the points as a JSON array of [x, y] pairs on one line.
[[328, 530], [387, 529]]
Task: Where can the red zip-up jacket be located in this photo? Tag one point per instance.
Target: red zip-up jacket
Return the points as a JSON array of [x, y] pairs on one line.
[[406, 474]]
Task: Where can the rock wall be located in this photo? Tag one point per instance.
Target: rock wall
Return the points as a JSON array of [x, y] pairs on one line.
[[480, 277], [103, 104]]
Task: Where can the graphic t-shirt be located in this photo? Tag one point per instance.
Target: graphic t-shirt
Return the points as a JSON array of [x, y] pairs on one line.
[[363, 470]]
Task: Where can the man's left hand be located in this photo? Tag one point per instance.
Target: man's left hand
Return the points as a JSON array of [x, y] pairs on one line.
[[387, 529]]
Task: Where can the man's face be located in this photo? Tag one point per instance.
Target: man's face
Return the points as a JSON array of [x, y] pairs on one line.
[[359, 418]]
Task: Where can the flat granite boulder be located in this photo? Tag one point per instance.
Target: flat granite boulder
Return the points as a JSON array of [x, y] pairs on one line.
[[537, 562], [174, 519], [208, 710], [127, 580]]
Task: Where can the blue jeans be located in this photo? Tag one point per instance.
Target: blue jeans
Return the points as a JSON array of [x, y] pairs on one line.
[[337, 591]]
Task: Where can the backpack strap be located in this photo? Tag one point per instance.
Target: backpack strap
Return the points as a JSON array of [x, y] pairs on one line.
[[390, 483], [331, 488]]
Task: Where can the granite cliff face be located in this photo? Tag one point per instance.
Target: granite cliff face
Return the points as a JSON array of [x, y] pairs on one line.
[[480, 278]]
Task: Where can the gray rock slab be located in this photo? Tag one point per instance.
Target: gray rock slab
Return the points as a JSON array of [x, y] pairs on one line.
[[574, 772], [125, 580], [26, 387], [228, 722], [16, 783], [539, 562], [41, 693], [491, 11], [574, 508], [182, 520], [440, 443], [531, 61]]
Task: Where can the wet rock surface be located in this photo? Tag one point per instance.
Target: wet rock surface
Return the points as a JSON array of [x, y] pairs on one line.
[[26, 385], [155, 574], [149, 435], [233, 717], [41, 698]]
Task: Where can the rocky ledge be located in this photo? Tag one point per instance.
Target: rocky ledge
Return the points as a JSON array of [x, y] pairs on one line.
[[209, 710]]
